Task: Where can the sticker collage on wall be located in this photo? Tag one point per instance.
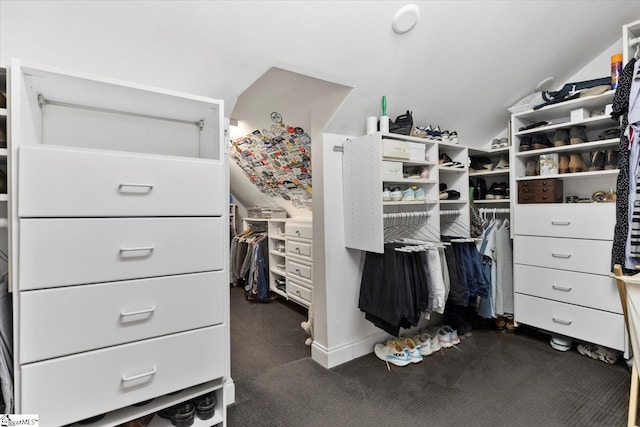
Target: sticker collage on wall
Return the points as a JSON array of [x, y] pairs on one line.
[[277, 161]]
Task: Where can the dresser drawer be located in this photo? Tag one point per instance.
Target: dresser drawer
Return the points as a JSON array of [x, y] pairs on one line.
[[595, 326], [73, 388], [299, 269], [59, 252], [300, 249], [577, 220], [106, 314], [67, 182], [588, 290], [299, 292], [303, 230], [586, 256]]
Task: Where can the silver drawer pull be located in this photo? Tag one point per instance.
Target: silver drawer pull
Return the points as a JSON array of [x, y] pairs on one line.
[[560, 222], [298, 270], [560, 288], [297, 292], [563, 322], [298, 250], [137, 377], [298, 232], [135, 313], [135, 188], [148, 249], [563, 256]]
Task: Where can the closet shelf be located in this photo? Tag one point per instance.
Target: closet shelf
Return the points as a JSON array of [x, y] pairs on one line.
[[490, 173], [554, 111], [406, 162], [585, 147], [278, 271], [277, 253], [282, 238], [410, 181], [452, 202], [603, 121], [410, 202], [577, 175], [486, 151], [279, 292], [491, 201], [450, 169]]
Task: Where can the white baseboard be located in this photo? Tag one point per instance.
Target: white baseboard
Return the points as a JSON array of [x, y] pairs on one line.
[[329, 358], [229, 392]]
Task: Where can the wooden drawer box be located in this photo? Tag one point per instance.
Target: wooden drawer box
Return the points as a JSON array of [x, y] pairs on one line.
[[540, 191], [106, 314]]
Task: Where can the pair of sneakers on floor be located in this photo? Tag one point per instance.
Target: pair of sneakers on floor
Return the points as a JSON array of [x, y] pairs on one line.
[[405, 350]]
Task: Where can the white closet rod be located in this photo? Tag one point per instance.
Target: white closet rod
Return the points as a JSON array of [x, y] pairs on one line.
[[405, 215], [450, 212], [495, 210], [42, 101], [633, 42]]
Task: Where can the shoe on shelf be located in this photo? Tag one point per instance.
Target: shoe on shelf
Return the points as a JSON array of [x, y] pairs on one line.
[[392, 352], [418, 193], [480, 189], [540, 141], [495, 144], [525, 143], [560, 138], [612, 133], [453, 137], [577, 134], [408, 195], [598, 159], [436, 134], [503, 163], [205, 405], [504, 142], [444, 195], [396, 194], [563, 164], [533, 168], [418, 132], [576, 163], [445, 136], [181, 415], [452, 195], [612, 159], [386, 194], [481, 164], [424, 173], [445, 160]]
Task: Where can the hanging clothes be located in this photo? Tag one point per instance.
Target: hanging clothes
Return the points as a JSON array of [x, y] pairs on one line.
[[620, 109], [504, 269]]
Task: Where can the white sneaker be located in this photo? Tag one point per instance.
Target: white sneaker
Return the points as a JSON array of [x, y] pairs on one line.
[[444, 337], [392, 352], [453, 334], [424, 341], [412, 350]]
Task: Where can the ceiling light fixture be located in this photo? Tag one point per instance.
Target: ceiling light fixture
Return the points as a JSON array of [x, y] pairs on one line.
[[405, 19]]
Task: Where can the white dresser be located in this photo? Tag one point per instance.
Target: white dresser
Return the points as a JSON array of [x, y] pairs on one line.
[[561, 265], [299, 261], [119, 240]]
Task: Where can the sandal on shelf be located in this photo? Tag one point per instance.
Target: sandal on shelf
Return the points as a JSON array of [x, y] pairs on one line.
[[181, 415], [205, 405]]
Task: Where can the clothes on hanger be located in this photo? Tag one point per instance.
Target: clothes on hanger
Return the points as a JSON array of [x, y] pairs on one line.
[[249, 264]]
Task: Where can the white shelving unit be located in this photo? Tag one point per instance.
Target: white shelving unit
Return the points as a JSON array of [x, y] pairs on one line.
[[98, 172], [490, 177], [562, 250], [372, 162]]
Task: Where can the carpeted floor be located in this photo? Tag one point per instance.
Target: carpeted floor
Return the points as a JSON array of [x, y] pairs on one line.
[[492, 379]]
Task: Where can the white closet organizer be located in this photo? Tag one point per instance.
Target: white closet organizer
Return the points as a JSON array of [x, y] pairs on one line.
[[491, 176], [562, 251], [119, 248], [372, 162], [299, 244]]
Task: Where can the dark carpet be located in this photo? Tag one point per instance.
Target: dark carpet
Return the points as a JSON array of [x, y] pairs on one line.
[[492, 379]]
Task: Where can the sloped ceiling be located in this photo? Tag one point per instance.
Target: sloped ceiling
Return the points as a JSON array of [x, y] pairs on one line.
[[462, 65]]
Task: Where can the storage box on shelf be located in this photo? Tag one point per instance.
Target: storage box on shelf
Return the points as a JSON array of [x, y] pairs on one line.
[[99, 169], [453, 173], [566, 246], [388, 174]]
